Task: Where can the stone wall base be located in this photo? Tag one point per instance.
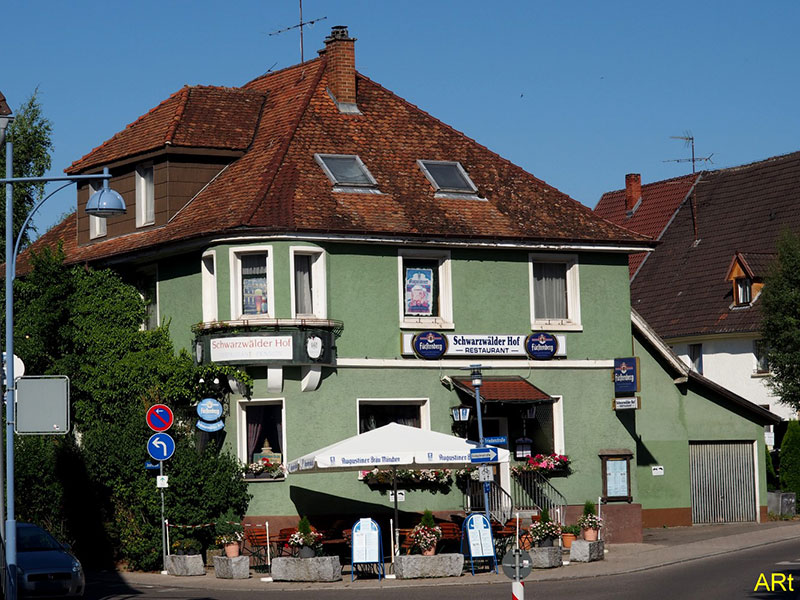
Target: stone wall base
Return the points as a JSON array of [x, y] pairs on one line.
[[415, 566], [546, 558], [232, 568], [583, 551], [185, 565], [319, 568]]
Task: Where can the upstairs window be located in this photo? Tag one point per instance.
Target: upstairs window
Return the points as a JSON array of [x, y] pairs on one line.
[[346, 171], [252, 284], [97, 225], [760, 349], [744, 291], [308, 282], [208, 268], [145, 196], [448, 177], [425, 292], [555, 299], [696, 357]]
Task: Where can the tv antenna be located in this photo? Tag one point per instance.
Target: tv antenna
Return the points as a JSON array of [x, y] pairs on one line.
[[689, 139], [300, 27]]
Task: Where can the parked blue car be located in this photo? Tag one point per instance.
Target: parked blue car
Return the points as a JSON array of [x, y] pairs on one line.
[[45, 567]]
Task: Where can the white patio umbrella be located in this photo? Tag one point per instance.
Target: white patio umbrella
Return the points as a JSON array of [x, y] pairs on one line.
[[393, 446]]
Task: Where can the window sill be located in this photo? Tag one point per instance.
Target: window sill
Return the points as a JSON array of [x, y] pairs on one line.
[[555, 326], [264, 478], [759, 375], [432, 324]]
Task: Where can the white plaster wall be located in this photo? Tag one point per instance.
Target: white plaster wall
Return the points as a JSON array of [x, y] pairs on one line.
[[732, 364]]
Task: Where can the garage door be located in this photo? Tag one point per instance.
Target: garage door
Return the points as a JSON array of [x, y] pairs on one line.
[[723, 482]]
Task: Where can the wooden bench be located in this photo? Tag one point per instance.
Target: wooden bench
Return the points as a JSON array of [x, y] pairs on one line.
[[451, 536], [257, 546]]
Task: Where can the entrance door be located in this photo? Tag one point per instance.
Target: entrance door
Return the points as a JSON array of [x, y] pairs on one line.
[[723, 482]]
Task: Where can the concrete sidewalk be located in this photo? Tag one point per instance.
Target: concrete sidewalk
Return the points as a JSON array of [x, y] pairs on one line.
[[660, 547]]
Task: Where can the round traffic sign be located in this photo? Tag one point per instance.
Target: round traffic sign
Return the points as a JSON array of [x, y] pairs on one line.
[[161, 446], [525, 564], [159, 417]]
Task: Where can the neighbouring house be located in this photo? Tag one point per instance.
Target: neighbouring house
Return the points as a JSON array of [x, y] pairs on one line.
[[700, 288], [356, 255]]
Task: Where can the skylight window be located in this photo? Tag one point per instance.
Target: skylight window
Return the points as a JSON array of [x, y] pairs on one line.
[[345, 170], [447, 176]]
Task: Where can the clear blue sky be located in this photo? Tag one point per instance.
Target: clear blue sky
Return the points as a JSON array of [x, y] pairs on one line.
[[578, 93]]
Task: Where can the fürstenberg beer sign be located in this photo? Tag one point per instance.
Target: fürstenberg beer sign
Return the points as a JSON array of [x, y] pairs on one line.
[[432, 345], [626, 375]]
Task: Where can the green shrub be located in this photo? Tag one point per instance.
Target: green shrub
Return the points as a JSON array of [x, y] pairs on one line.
[[427, 519], [790, 459]]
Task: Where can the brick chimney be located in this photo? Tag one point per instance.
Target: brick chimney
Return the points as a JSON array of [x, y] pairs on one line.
[[340, 48], [633, 190]]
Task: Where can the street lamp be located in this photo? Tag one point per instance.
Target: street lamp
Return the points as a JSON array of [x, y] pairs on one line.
[[103, 203], [477, 381]]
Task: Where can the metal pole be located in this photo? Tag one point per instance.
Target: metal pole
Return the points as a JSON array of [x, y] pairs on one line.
[[11, 525], [482, 445], [163, 523], [396, 519]]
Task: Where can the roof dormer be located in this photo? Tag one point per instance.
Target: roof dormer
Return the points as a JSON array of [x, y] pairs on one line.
[[746, 274]]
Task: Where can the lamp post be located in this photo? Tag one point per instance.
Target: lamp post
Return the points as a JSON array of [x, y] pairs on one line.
[[477, 381], [103, 203]]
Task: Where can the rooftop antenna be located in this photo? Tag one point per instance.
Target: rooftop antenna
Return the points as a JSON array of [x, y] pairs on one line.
[[689, 139], [300, 26]]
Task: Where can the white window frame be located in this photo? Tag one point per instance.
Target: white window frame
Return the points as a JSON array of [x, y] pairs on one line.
[[236, 281], [319, 298], [343, 186], [241, 426], [573, 320], [145, 195], [457, 191], [445, 318], [97, 225], [423, 403], [209, 286]]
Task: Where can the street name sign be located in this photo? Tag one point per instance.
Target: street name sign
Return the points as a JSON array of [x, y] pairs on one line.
[[483, 455]]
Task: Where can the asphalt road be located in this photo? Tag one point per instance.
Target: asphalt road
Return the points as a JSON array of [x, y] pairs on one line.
[[728, 577]]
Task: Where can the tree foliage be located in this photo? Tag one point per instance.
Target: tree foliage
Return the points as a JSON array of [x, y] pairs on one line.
[[85, 324], [790, 459], [30, 131], [781, 320]]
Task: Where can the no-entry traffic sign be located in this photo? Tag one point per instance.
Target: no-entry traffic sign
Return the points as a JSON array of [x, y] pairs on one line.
[[159, 417]]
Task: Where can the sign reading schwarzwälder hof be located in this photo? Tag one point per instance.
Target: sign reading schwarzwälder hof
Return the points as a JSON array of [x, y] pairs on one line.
[[274, 348], [432, 345]]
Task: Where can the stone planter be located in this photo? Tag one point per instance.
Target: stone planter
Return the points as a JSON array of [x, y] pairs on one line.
[[319, 568], [416, 566], [185, 565], [545, 557], [583, 551], [232, 568]]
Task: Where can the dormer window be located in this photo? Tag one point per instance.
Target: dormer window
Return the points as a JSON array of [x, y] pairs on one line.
[[447, 177], [744, 291], [346, 171]]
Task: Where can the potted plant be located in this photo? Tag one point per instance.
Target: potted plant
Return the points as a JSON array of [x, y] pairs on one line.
[[264, 469], [230, 533], [426, 535], [569, 533], [306, 539], [544, 531], [589, 522], [185, 546]]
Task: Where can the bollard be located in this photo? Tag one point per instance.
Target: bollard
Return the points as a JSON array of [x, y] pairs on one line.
[[517, 590]]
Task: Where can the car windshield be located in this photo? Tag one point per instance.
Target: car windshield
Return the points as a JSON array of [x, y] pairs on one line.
[[31, 539]]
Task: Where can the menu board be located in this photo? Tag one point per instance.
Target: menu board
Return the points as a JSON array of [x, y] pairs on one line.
[[479, 536], [617, 478], [366, 541]]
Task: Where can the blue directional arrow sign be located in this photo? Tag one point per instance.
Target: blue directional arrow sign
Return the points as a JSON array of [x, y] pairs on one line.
[[161, 446], [483, 455]]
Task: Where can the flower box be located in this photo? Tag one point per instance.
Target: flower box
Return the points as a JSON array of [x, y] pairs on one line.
[[185, 565], [232, 568], [319, 568], [416, 566]]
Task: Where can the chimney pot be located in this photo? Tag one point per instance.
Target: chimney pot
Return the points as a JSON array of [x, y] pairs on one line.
[[633, 190]]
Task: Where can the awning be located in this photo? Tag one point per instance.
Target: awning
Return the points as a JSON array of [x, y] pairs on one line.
[[512, 390]]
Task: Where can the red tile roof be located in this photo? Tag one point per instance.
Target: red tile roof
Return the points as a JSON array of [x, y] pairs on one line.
[[659, 202], [280, 120], [681, 289], [504, 389]]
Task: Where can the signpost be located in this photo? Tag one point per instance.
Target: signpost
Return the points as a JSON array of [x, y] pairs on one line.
[[160, 447], [483, 455], [159, 417]]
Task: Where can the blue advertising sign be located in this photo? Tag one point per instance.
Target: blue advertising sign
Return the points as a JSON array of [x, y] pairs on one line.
[[497, 440], [429, 345], [483, 455], [541, 346], [161, 446], [210, 427], [626, 375], [209, 409]]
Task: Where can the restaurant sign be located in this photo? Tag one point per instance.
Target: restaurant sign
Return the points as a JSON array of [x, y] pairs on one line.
[[432, 345], [283, 347]]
